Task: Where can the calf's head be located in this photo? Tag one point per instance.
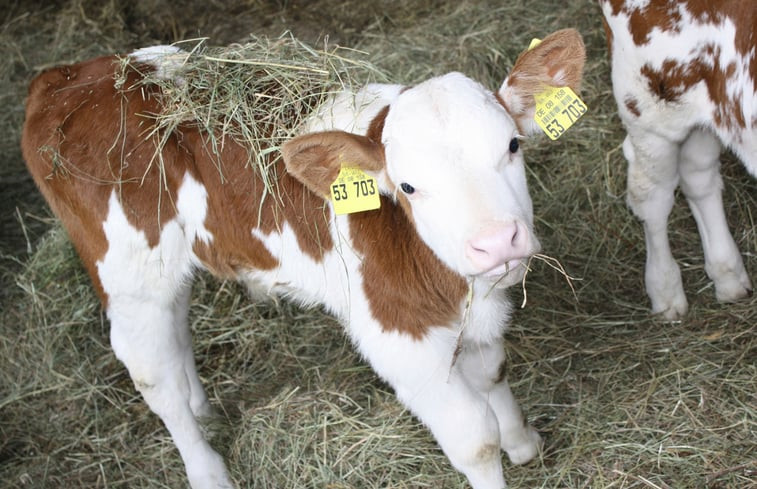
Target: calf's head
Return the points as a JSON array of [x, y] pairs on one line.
[[447, 151]]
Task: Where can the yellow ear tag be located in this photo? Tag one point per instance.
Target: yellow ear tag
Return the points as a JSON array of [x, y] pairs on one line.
[[534, 42], [354, 191], [557, 108]]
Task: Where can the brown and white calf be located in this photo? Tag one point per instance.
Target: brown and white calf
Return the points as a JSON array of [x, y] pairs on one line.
[[455, 213], [684, 75]]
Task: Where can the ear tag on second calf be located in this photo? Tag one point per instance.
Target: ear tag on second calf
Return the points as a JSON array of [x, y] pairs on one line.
[[557, 108], [354, 191]]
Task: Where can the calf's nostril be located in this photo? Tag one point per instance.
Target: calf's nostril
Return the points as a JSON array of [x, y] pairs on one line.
[[478, 249], [515, 235]]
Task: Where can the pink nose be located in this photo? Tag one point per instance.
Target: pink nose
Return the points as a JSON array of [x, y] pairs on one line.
[[498, 244]]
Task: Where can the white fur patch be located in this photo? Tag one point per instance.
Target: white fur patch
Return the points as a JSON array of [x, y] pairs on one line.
[[132, 267], [167, 60], [192, 207]]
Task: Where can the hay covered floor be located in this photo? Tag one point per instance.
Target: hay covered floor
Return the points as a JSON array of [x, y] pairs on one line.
[[622, 399]]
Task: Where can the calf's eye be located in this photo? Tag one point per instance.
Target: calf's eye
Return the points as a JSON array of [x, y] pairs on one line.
[[407, 188], [514, 145]]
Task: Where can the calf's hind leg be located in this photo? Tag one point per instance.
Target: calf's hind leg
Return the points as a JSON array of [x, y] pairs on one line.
[[702, 184], [198, 400], [151, 339], [147, 304]]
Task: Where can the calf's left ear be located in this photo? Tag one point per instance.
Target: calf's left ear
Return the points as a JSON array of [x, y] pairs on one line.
[[316, 158], [558, 61]]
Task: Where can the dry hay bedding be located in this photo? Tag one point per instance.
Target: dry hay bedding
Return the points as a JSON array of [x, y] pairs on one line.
[[622, 400]]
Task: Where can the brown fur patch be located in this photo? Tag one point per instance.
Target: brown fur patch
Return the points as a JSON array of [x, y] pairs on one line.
[[608, 36], [664, 15], [632, 105], [376, 128], [79, 149], [655, 15], [374, 133], [670, 82], [233, 208], [83, 139], [743, 14], [409, 289]]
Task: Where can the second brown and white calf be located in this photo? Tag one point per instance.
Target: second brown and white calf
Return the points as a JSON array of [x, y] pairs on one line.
[[455, 216], [684, 75]]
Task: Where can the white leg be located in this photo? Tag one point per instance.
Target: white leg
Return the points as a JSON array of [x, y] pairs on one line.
[[464, 425], [484, 367], [702, 185], [198, 400], [652, 179], [459, 417], [151, 338]]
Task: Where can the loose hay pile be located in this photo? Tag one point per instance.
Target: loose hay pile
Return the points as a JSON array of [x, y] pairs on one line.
[[257, 92], [622, 400]]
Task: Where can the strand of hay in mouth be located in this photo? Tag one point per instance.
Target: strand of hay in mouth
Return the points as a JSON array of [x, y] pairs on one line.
[[258, 92], [463, 324], [553, 263]]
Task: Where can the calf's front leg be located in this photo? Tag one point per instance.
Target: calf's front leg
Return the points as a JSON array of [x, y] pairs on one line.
[[464, 418], [151, 339], [702, 184], [652, 180], [483, 365]]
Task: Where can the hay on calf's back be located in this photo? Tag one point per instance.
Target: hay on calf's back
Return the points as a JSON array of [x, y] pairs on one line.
[[258, 92]]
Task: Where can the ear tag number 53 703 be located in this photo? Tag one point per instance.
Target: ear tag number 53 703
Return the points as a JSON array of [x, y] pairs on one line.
[[354, 191]]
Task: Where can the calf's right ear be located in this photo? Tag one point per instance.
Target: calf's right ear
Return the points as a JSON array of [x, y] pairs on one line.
[[316, 158]]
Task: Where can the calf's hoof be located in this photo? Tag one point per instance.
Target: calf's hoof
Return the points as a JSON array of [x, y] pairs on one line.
[[526, 448]]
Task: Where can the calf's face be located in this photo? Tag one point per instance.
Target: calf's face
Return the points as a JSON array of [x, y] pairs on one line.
[[453, 161]]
